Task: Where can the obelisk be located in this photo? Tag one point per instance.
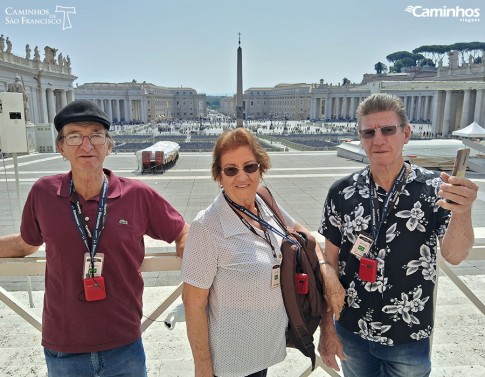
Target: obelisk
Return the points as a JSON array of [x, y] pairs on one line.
[[239, 93]]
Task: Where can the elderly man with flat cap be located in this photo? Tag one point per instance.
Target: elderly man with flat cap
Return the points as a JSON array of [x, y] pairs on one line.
[[92, 223]]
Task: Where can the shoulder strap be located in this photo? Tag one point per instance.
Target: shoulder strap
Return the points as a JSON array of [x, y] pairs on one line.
[[303, 311], [268, 198]]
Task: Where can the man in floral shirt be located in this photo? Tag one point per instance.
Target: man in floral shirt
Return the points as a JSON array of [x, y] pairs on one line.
[[382, 227]]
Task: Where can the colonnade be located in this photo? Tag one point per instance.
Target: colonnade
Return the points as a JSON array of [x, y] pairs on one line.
[[126, 110], [49, 103], [447, 110]]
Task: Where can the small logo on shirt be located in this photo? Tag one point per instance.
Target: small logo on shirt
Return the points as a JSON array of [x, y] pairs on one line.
[[123, 222]]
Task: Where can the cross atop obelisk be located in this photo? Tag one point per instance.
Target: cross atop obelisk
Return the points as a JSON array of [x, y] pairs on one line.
[[239, 92]]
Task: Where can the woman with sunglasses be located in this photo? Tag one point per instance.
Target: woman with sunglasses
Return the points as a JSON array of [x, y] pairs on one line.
[[235, 315]]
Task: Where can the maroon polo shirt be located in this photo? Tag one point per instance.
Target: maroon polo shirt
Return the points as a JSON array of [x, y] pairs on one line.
[[69, 322]]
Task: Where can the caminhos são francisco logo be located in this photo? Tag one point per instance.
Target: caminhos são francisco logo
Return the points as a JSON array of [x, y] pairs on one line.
[[40, 16]]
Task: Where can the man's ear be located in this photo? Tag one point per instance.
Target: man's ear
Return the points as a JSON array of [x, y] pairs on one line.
[[407, 133], [60, 149]]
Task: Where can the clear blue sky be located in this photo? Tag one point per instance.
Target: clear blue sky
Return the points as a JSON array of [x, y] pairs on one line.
[[193, 43]]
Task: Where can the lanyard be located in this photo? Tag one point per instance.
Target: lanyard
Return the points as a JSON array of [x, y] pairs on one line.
[[81, 223], [251, 228], [263, 223], [389, 203]]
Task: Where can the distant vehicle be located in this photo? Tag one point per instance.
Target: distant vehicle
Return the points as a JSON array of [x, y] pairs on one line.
[[157, 158]]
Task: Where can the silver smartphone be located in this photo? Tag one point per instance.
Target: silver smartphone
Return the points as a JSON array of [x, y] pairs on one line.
[[461, 162]]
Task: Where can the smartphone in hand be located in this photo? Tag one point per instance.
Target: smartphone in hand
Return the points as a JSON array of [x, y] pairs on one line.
[[461, 163]]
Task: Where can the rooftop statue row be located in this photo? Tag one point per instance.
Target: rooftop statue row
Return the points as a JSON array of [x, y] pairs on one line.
[[49, 53]]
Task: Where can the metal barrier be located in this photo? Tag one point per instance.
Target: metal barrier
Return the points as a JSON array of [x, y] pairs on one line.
[[35, 266], [32, 266]]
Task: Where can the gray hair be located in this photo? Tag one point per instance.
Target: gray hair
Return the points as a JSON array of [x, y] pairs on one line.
[[379, 102]]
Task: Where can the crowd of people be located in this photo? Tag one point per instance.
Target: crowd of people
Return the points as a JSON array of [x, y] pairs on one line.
[[382, 227]]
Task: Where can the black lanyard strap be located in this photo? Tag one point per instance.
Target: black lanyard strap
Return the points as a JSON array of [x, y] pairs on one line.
[[389, 203], [262, 222], [251, 228], [81, 223]]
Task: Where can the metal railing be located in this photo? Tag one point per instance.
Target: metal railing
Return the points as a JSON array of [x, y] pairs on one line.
[[156, 262]]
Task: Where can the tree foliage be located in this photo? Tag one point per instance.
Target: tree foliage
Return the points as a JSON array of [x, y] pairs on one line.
[[430, 55], [437, 52], [404, 59], [427, 62], [380, 68]]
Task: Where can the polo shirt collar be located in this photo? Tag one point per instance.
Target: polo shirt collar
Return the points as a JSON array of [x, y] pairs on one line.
[[114, 185]]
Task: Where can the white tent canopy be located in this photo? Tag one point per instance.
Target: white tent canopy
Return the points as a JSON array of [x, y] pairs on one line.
[[473, 130]]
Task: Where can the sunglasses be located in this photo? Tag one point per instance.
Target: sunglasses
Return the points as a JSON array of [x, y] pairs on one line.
[[385, 131], [232, 171]]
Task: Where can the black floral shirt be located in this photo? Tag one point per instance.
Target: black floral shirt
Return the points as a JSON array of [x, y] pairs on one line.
[[398, 307]]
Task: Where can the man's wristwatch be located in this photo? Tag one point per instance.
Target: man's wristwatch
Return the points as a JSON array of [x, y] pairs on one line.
[[323, 261]]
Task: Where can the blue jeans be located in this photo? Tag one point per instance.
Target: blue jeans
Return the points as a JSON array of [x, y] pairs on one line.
[[371, 359], [125, 361]]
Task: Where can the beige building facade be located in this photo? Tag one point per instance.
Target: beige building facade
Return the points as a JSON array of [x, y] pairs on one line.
[[47, 80], [449, 98], [144, 102]]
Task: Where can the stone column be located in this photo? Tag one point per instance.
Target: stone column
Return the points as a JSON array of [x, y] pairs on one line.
[[108, 110], [465, 110], [352, 108], [328, 107], [419, 111], [70, 96], [447, 113], [427, 100], [63, 95], [479, 115], [51, 106], [315, 108], [43, 106], [345, 106], [129, 107], [436, 115], [338, 109], [412, 107], [118, 111]]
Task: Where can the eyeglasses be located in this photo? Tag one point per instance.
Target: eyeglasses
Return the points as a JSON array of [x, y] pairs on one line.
[[77, 139], [385, 131], [232, 171]]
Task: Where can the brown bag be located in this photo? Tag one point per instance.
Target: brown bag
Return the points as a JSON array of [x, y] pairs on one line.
[[304, 310]]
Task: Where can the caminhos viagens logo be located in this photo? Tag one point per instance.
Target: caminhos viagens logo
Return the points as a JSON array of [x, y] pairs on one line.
[[457, 12]]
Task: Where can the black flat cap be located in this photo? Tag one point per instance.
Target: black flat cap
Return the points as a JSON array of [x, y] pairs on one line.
[[81, 110]]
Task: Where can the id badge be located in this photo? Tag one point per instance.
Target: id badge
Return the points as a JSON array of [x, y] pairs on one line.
[[368, 270], [362, 246], [275, 276], [98, 265]]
